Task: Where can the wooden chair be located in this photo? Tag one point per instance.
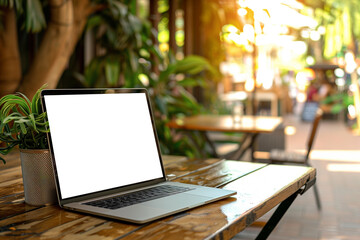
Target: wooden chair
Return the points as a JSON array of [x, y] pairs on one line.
[[283, 157]]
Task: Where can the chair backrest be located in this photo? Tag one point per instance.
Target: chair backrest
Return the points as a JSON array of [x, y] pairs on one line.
[[314, 128]]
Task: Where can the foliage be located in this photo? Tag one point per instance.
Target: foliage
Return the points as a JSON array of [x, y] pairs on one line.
[[342, 22], [125, 40], [171, 99], [168, 93], [129, 59], [22, 123], [339, 101], [31, 11], [217, 14]]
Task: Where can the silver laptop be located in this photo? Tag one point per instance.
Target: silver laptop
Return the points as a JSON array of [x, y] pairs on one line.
[[107, 160]]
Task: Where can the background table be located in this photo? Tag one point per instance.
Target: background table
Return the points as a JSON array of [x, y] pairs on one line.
[[260, 188], [250, 125]]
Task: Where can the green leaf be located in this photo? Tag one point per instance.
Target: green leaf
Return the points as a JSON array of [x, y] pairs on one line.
[[167, 132], [337, 108], [154, 50], [23, 127], [191, 82], [348, 100], [11, 117], [192, 65], [20, 125], [10, 101], [32, 122], [93, 72], [187, 97], [161, 104], [135, 23], [133, 59], [118, 8], [3, 160], [94, 21], [34, 16], [11, 4], [35, 103], [165, 75], [112, 71]]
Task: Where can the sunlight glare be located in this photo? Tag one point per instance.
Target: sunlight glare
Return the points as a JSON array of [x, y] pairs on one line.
[[351, 111], [339, 72], [301, 78], [144, 79], [315, 35], [301, 97], [336, 155], [340, 82], [343, 167], [290, 130], [322, 30], [352, 87], [278, 11], [231, 28], [242, 12], [249, 85], [310, 60], [249, 32]]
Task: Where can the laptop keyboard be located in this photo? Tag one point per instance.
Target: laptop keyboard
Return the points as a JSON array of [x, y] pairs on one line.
[[138, 197]]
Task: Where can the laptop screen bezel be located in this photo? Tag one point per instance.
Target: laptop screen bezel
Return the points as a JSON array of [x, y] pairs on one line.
[[107, 192]]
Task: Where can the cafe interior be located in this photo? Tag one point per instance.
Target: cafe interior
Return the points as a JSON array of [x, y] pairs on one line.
[[211, 67]]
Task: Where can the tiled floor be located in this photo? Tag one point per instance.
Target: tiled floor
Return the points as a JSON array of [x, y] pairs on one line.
[[336, 155]]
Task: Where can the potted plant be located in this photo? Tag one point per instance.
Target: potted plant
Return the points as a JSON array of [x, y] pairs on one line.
[[23, 125]]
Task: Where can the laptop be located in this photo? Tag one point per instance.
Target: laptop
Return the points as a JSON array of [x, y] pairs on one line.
[[107, 160]]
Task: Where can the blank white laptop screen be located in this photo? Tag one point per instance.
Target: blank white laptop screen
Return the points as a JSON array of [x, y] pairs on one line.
[[102, 141]]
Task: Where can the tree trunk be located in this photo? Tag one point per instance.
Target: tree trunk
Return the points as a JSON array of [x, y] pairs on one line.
[[68, 19], [10, 66]]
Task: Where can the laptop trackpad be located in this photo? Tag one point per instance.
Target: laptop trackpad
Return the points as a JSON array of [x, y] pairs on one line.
[[154, 209], [177, 201]]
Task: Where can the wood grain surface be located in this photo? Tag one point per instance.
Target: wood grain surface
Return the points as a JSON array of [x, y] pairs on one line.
[[260, 188]]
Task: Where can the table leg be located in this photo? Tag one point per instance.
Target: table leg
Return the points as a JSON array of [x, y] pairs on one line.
[[206, 139], [247, 144], [276, 217], [281, 210], [252, 147], [211, 144]]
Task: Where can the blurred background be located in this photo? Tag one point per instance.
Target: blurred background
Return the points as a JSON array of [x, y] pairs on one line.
[[277, 58]]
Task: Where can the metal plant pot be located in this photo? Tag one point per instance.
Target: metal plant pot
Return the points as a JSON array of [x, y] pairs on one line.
[[38, 177]]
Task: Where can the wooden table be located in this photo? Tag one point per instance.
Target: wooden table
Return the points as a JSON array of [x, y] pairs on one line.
[[250, 125], [259, 187]]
